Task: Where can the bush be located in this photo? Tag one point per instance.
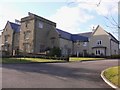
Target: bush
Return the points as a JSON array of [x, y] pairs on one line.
[[115, 56], [55, 52], [5, 53]]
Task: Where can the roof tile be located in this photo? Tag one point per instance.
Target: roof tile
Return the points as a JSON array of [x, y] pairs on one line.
[[15, 27], [72, 37]]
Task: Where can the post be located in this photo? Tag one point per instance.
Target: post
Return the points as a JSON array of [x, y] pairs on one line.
[[119, 25]]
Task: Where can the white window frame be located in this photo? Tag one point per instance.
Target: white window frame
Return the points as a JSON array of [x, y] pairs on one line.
[[84, 43], [98, 42], [98, 51]]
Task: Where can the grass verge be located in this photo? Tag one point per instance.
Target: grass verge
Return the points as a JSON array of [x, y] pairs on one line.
[[84, 59], [112, 74], [27, 60]]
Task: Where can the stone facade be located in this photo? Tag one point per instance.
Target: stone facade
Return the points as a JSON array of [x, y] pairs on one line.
[[0, 41], [37, 35], [10, 38], [101, 43]]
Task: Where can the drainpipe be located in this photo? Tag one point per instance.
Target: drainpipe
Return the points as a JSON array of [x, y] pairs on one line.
[[110, 48], [13, 41]]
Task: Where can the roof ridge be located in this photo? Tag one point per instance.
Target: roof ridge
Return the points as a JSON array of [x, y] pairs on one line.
[[13, 23], [85, 32], [79, 35], [63, 31]]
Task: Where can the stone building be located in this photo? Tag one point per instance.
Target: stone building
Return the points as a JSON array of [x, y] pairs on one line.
[[10, 38], [37, 35]]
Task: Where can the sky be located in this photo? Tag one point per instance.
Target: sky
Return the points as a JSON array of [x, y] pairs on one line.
[[74, 16]]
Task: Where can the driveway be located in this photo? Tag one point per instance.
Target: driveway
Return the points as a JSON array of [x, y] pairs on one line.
[[56, 75]]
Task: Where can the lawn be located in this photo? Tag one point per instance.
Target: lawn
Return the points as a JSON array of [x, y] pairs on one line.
[[84, 59], [112, 75], [28, 60]]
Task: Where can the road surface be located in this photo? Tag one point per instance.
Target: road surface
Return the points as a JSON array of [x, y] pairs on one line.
[[56, 75]]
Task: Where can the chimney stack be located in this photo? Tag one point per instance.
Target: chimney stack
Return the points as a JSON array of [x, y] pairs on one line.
[[17, 21], [93, 29]]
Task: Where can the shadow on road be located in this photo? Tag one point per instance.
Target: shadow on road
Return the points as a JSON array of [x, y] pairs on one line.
[[57, 70]]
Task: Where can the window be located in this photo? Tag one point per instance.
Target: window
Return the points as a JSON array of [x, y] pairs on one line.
[[84, 43], [26, 35], [78, 42], [26, 24], [40, 24], [99, 42], [27, 47], [6, 38], [42, 47], [6, 48], [6, 29], [98, 52]]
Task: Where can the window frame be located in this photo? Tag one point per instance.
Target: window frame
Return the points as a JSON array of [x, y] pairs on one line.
[[84, 44], [26, 35], [99, 42]]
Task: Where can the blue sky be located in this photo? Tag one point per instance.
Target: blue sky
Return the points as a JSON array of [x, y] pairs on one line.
[[74, 16]]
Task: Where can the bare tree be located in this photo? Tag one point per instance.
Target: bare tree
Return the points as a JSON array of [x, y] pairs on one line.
[[111, 21]]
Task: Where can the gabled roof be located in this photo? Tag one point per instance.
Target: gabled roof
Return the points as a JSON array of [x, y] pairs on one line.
[[64, 34], [87, 34], [113, 38], [72, 37], [14, 26]]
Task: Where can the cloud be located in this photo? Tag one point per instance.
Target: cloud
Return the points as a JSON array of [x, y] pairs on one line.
[[70, 18], [104, 8], [79, 12], [9, 12]]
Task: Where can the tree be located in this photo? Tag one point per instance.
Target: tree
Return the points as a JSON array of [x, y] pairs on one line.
[[111, 21]]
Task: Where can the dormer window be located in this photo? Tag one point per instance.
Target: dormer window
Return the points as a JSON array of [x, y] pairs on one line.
[[99, 42]]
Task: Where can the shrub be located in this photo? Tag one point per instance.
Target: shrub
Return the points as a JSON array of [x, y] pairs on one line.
[[115, 56], [55, 52]]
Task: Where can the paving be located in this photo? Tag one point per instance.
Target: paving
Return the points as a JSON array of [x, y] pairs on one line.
[[56, 75]]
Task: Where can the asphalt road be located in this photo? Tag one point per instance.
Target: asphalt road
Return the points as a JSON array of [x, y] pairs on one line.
[[56, 75]]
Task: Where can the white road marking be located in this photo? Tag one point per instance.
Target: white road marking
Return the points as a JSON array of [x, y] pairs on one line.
[[61, 78]]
